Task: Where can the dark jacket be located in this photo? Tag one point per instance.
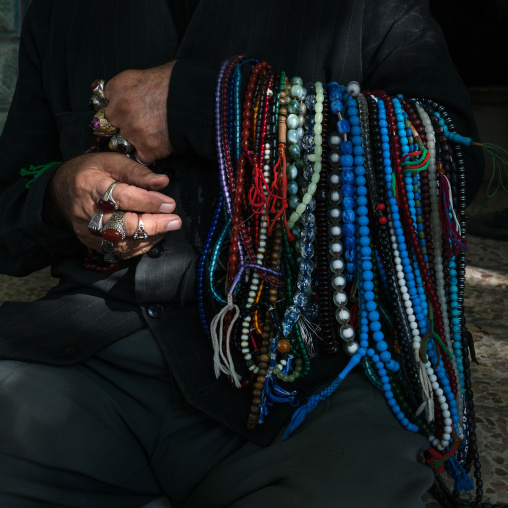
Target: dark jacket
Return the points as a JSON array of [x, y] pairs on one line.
[[393, 45]]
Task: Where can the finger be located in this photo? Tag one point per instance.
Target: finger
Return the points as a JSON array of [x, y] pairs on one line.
[[153, 147], [142, 158], [154, 224], [129, 248], [132, 248], [136, 199], [122, 84], [122, 169]]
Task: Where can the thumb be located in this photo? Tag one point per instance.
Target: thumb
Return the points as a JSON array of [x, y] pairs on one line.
[[127, 171]]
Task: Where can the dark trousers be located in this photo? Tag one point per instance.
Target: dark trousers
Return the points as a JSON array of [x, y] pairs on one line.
[[115, 432]]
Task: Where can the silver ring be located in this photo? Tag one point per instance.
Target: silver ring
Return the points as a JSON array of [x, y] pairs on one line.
[[114, 229], [97, 88], [140, 162], [119, 144], [140, 233], [95, 104], [107, 203], [110, 254], [95, 224]]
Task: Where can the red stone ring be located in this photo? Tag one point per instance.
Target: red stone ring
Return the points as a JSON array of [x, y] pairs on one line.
[[107, 203], [114, 229]]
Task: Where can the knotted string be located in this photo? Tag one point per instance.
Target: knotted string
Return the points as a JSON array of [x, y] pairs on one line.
[[499, 158], [456, 471], [437, 460], [274, 393], [451, 229], [258, 192], [36, 171], [413, 166], [437, 341], [300, 414], [428, 399], [222, 359], [273, 190]]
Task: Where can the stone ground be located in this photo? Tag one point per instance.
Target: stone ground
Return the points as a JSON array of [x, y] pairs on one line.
[[486, 307]]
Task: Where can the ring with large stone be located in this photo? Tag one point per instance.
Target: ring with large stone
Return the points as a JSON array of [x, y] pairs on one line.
[[114, 229], [95, 224], [110, 254], [140, 233], [107, 203], [97, 88], [101, 126], [119, 144]]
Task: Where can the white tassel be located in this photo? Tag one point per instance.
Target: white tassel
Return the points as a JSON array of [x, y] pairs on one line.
[[224, 362], [307, 331], [457, 225], [428, 400]]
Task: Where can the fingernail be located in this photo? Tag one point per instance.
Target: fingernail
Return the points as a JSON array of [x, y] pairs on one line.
[[166, 208], [174, 224]]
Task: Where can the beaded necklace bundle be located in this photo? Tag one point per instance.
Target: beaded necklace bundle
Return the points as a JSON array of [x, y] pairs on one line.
[[341, 222]]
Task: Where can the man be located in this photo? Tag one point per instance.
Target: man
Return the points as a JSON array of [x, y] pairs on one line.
[[108, 394]]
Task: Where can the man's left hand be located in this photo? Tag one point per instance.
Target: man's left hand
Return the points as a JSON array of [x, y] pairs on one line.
[[138, 107]]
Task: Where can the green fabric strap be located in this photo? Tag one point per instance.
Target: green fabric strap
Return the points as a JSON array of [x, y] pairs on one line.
[[36, 171]]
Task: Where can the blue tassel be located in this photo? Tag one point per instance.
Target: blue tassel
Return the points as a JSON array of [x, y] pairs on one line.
[[274, 393], [456, 471], [263, 411], [300, 414], [288, 365]]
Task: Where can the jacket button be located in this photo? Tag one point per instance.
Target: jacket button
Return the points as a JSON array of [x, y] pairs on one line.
[[154, 310], [155, 251], [69, 352]]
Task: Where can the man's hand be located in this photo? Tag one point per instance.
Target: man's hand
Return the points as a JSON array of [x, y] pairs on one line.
[[138, 107], [79, 183]]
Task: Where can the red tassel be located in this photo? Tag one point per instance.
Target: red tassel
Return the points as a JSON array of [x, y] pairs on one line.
[[257, 197], [283, 197], [455, 242]]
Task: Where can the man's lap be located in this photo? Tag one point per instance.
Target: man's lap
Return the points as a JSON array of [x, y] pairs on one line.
[[114, 431]]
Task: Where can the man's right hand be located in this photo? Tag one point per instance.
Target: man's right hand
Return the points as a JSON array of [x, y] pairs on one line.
[[78, 184]]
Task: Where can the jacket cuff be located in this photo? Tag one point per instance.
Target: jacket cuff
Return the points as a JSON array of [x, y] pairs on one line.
[[53, 239], [191, 108]]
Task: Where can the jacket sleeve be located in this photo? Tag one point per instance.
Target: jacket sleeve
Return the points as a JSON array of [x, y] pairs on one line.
[[190, 109], [29, 138], [404, 51]]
